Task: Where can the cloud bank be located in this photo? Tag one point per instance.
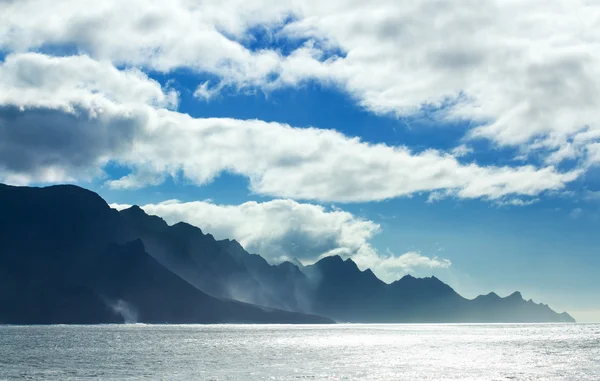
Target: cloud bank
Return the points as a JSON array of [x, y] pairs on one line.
[[285, 229], [526, 74], [65, 118]]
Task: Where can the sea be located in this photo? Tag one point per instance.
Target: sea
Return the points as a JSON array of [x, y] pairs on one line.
[[301, 352]]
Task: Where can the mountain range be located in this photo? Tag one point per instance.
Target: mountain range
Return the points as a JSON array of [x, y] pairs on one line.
[[67, 257]]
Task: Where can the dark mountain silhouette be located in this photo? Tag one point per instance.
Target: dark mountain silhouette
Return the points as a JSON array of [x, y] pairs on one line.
[[66, 257], [332, 287], [340, 287], [220, 268]]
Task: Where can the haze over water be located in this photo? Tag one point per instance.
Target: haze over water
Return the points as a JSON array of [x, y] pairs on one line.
[[285, 352]]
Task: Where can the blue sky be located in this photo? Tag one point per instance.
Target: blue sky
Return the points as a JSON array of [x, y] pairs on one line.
[[453, 139]]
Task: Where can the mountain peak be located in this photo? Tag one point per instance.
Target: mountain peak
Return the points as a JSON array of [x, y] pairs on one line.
[[138, 215], [491, 296], [515, 295], [233, 243], [187, 227], [351, 264], [369, 272], [336, 263], [566, 317], [295, 261], [331, 260], [234, 248], [136, 209]]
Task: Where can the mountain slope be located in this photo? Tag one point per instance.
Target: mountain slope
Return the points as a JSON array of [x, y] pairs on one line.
[[220, 268], [345, 293], [66, 257], [331, 287]]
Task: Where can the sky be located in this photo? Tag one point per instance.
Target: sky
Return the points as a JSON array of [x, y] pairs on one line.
[[459, 139]]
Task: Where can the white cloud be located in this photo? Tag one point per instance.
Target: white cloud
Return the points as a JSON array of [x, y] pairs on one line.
[[317, 164], [462, 150], [78, 124], [160, 35], [285, 229], [592, 195], [527, 73], [275, 229], [205, 92], [576, 213], [593, 153], [438, 196], [62, 83], [390, 267], [63, 119], [517, 202]]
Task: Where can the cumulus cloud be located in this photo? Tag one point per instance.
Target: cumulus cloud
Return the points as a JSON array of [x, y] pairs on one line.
[[316, 164], [37, 80], [163, 36], [136, 130], [276, 229], [285, 229], [64, 119], [48, 145], [390, 266], [526, 73]]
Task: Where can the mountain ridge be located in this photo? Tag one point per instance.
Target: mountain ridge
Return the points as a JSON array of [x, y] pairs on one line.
[[441, 298], [58, 236], [67, 257], [306, 288]]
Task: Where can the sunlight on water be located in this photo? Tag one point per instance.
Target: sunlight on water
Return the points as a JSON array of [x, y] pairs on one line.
[[283, 352]]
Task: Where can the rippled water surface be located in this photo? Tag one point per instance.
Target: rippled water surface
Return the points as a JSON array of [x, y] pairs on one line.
[[281, 352]]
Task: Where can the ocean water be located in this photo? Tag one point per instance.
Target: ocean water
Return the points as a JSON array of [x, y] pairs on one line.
[[285, 352]]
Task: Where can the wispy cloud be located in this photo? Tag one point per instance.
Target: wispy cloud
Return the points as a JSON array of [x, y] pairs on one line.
[[462, 150], [517, 202], [576, 213]]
